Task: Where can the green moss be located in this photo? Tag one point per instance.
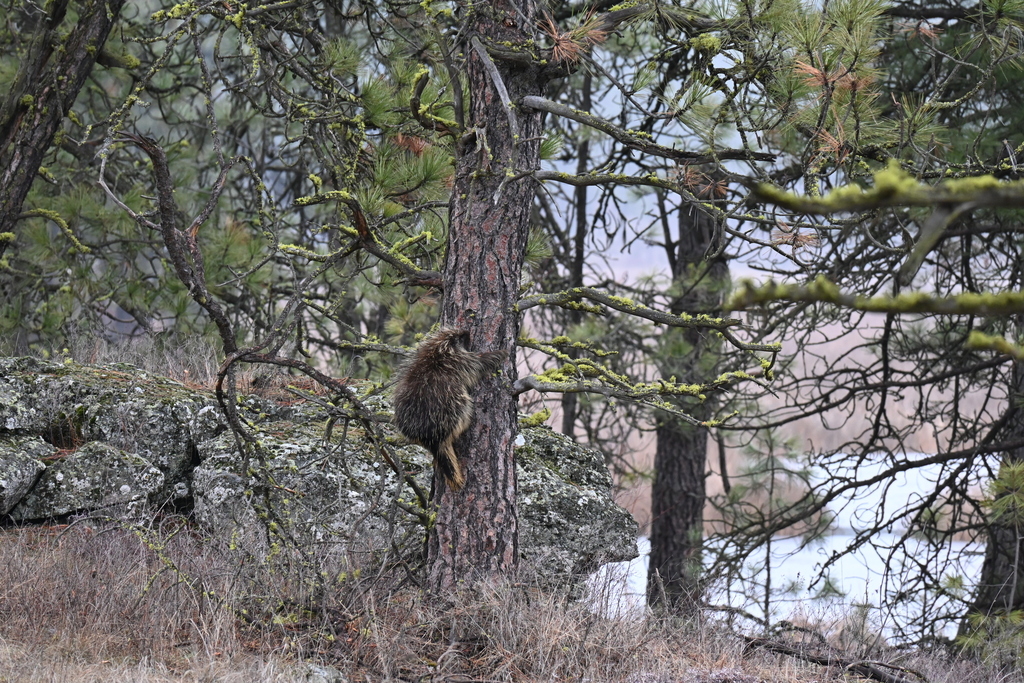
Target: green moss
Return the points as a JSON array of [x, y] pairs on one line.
[[623, 301], [179, 11], [974, 185], [824, 289], [130, 61], [564, 374], [535, 420], [894, 180], [321, 198], [706, 42]]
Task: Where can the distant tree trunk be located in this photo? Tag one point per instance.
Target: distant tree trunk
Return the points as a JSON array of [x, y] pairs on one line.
[[476, 530], [677, 516], [678, 492], [579, 244], [46, 87], [1001, 585]]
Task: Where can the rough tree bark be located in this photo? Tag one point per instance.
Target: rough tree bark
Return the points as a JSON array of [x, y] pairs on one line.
[[1001, 585], [678, 491], [677, 516], [476, 531], [44, 91]]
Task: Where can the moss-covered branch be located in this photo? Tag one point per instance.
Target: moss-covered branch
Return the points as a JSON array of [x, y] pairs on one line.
[[573, 300], [648, 394], [823, 291], [893, 186], [982, 342], [582, 375]]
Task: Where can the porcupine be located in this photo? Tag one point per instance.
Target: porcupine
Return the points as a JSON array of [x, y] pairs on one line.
[[433, 405]]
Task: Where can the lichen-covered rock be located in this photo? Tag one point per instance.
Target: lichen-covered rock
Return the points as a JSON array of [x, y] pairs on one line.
[[20, 467], [129, 437], [320, 673], [339, 492], [69, 404], [94, 477], [223, 506], [569, 523]]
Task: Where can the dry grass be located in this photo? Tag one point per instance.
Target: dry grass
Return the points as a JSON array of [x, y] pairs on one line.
[[86, 603], [189, 359], [31, 665], [161, 603], [90, 602]]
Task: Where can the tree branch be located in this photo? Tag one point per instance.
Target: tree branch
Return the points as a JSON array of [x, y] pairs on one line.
[[639, 141], [823, 291], [895, 187], [571, 299]]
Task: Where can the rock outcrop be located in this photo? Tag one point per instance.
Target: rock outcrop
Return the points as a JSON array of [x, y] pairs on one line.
[[78, 439]]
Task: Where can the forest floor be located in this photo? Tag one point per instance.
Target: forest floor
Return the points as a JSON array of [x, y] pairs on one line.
[[84, 602]]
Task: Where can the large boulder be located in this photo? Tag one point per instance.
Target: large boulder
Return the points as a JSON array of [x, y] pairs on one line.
[[78, 438], [567, 519]]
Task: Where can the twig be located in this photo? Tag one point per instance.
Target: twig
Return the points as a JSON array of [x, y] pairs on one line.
[[863, 668]]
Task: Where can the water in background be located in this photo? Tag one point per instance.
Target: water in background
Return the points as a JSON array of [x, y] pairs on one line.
[[874, 576], [619, 589]]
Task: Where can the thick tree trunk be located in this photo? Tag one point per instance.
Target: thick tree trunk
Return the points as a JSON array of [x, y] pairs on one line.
[[678, 491], [1001, 585], [476, 529], [45, 90]]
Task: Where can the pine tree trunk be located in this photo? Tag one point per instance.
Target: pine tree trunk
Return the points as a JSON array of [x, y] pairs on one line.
[[46, 88], [677, 517], [476, 533], [1001, 585], [678, 491]]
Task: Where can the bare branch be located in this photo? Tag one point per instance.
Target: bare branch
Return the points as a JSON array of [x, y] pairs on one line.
[[641, 142]]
